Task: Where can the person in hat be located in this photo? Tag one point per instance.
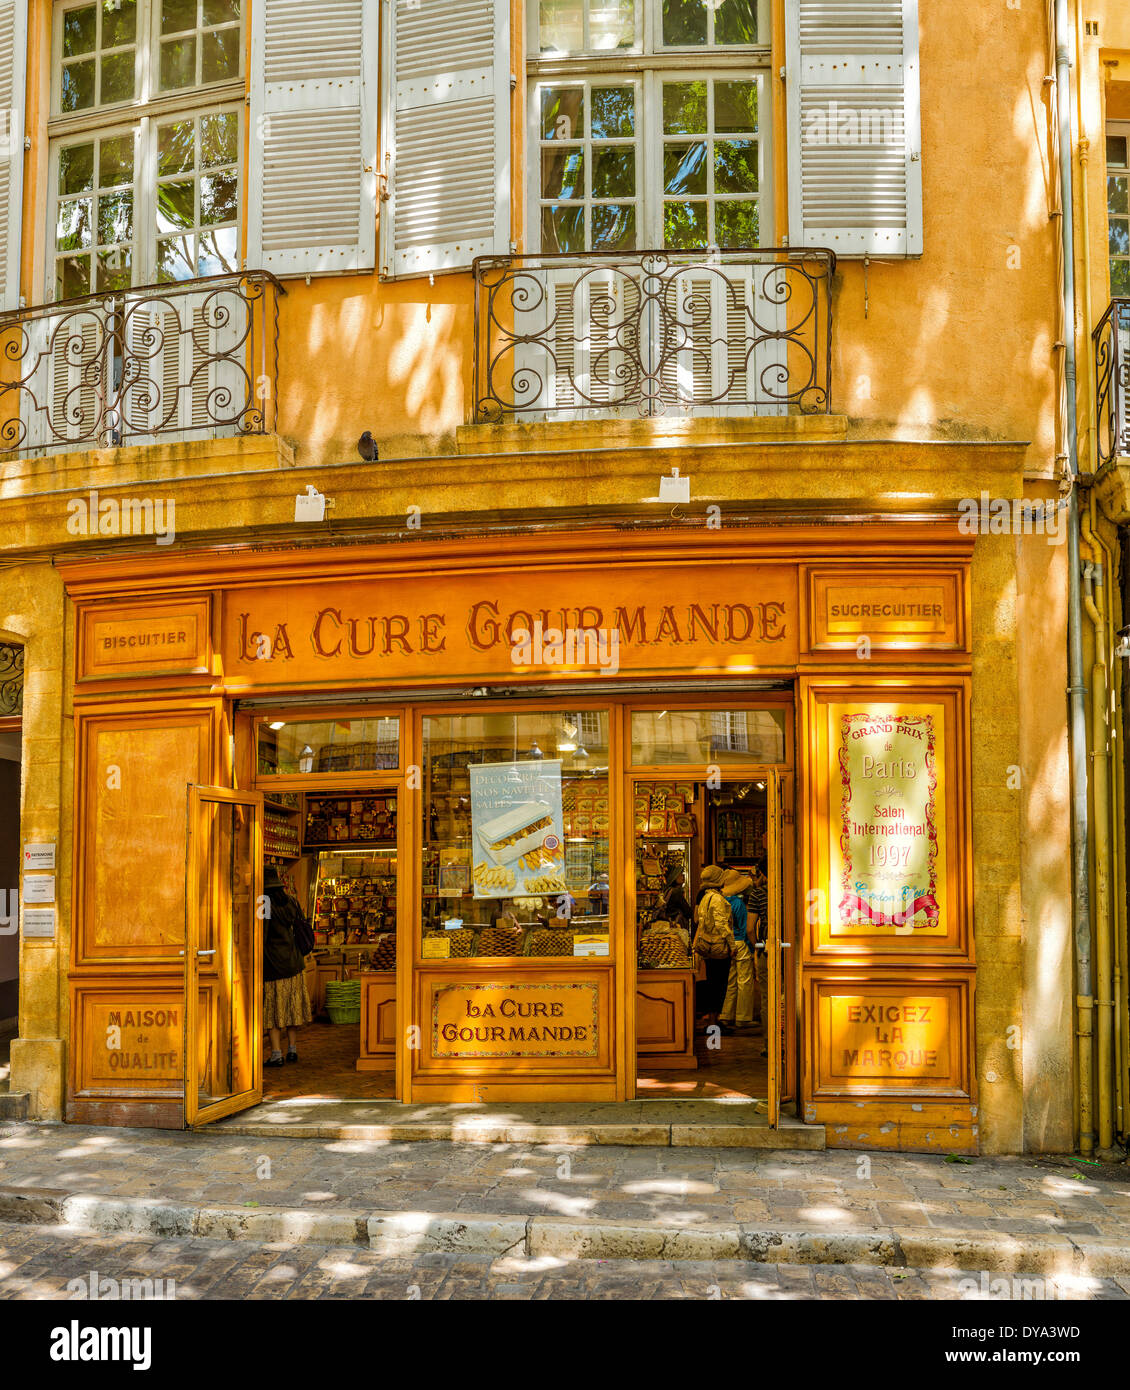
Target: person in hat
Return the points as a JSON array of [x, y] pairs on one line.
[[713, 943], [737, 1009], [286, 1002], [675, 905]]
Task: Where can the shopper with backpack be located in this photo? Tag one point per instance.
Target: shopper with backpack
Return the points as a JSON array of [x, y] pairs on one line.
[[714, 942]]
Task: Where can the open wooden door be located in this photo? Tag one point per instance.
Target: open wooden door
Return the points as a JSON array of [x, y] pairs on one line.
[[774, 948], [223, 957]]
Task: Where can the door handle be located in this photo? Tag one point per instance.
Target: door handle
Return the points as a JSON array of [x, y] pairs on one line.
[[207, 953], [785, 945]]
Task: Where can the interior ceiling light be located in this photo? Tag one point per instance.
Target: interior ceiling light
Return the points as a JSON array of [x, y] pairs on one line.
[[278, 724]]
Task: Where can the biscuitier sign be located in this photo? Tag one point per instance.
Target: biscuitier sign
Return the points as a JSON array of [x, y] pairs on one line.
[[891, 866]]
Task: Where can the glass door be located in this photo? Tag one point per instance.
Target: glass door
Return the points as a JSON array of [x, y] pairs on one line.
[[775, 948], [223, 957]]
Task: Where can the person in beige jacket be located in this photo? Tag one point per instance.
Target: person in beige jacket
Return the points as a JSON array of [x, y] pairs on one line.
[[714, 942]]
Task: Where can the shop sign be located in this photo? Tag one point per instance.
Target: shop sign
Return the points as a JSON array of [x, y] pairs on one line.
[[515, 1020], [145, 639], [517, 830], [136, 1042], [727, 619], [893, 610], [880, 1036], [889, 1036], [888, 820]]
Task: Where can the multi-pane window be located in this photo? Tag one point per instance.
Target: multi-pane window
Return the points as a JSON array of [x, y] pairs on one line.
[[669, 158], [1118, 207], [198, 43], [198, 196], [711, 159], [94, 224], [153, 194], [589, 161], [98, 54]]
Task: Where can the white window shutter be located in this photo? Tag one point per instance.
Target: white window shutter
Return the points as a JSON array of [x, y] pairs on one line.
[[312, 206], [13, 72], [854, 140], [446, 134]]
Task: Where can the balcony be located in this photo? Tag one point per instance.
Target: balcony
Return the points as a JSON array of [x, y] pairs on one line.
[[1112, 382], [164, 362], [651, 333]]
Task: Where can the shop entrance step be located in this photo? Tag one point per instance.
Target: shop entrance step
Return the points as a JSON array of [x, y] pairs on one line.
[[714, 1124]]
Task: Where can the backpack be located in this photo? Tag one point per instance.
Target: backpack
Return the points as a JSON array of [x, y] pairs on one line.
[[711, 941]]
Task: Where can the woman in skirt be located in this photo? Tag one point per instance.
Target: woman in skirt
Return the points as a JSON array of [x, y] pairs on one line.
[[286, 1004]]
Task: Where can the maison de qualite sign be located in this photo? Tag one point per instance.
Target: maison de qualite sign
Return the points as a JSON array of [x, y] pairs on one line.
[[713, 618]]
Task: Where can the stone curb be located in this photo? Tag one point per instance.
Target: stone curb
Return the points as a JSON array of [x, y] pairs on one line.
[[640, 1135], [400, 1234]]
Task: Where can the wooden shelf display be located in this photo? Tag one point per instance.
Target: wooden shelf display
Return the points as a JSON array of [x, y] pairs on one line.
[[349, 821]]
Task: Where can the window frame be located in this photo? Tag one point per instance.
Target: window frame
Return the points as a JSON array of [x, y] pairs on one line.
[[149, 109], [647, 65], [1120, 129], [649, 39], [649, 140]]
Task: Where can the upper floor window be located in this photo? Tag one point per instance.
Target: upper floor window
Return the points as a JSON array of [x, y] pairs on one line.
[[669, 156], [145, 143], [1118, 206], [618, 26]]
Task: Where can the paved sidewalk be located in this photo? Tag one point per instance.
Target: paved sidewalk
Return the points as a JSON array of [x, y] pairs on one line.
[[38, 1262], [582, 1201]]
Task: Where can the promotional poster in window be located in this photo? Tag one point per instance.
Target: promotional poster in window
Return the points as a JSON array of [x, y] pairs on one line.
[[517, 829]]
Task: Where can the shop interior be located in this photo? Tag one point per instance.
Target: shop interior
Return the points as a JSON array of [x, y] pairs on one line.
[[680, 827], [543, 893]]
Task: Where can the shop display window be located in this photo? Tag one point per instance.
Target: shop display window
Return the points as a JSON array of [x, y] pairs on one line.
[[665, 738], [516, 830], [288, 748]]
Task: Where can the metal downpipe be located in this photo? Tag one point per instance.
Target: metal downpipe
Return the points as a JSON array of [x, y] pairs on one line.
[[1077, 690]]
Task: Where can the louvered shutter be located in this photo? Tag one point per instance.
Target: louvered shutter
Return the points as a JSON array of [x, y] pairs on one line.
[[13, 63], [855, 171], [312, 198], [446, 134]]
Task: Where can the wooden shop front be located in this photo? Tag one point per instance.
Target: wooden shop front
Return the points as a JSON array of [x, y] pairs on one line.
[[437, 742]]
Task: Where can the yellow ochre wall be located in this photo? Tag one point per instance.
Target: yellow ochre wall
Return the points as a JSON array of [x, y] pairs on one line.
[[949, 345]]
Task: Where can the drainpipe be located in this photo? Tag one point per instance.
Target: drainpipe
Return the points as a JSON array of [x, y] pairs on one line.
[[1081, 887], [1110, 970], [1104, 1003]]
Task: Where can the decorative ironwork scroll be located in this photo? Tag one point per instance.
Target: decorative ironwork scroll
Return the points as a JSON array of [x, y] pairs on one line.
[[11, 679], [192, 359], [653, 332], [1112, 381]]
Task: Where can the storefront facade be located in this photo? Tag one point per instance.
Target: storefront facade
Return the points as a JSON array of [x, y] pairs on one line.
[[833, 392], [181, 671]]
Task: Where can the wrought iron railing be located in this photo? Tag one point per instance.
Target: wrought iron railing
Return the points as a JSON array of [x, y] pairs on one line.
[[11, 679], [1112, 381], [653, 333], [186, 360]]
